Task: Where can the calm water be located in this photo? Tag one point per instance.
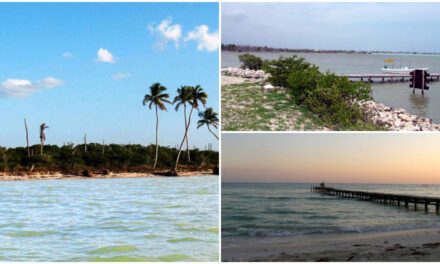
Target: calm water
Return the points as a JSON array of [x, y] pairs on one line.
[[397, 95], [142, 219], [283, 210]]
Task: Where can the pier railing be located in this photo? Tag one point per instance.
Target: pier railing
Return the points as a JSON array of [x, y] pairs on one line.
[[369, 78], [384, 198]]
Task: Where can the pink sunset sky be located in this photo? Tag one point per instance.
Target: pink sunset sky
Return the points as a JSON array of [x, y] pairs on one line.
[[403, 158]]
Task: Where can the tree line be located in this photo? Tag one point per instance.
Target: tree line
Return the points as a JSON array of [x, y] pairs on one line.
[[68, 158]]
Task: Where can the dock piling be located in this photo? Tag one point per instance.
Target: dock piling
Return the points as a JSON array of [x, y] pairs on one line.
[[383, 198]]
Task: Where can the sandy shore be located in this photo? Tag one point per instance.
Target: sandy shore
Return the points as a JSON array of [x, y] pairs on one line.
[[60, 176], [413, 245]]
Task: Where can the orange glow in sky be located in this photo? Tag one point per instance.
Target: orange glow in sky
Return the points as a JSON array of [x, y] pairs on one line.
[[403, 158]]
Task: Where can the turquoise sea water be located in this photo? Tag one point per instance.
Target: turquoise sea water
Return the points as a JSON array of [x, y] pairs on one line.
[[138, 219], [288, 210], [397, 95]]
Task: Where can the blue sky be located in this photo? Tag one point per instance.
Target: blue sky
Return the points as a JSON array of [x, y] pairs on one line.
[[357, 26], [85, 68]]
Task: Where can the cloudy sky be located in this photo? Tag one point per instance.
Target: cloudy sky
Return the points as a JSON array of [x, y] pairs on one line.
[[85, 68], [331, 157], [358, 26]]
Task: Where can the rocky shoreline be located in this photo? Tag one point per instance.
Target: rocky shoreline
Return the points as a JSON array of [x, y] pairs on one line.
[[378, 113], [398, 119], [245, 73]]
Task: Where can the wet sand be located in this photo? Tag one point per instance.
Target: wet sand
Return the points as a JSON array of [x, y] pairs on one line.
[[413, 245], [60, 176]]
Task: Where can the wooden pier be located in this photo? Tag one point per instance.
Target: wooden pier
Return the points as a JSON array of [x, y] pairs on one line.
[[369, 78], [383, 198]]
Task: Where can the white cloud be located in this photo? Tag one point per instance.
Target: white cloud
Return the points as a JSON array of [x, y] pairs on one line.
[[105, 56], [120, 76], [22, 88], [206, 41], [68, 55], [49, 82], [167, 32]]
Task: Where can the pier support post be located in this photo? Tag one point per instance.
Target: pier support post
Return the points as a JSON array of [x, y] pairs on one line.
[[415, 205], [406, 203], [437, 207], [426, 206], [398, 202]]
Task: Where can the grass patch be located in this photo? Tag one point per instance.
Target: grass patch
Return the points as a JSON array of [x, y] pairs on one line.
[[247, 107]]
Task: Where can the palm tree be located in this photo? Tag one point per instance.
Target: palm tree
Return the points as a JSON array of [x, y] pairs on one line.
[[42, 137], [197, 96], [208, 117], [183, 97], [157, 97]]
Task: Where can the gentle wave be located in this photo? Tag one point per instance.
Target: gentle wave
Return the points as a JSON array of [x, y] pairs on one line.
[[185, 239], [121, 248]]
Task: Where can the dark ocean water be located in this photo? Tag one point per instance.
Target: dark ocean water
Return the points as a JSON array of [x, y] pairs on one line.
[[290, 209]]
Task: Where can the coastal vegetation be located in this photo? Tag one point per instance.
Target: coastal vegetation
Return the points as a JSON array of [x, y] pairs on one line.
[[196, 96], [209, 118], [157, 97], [248, 107], [331, 97], [84, 159], [249, 61], [71, 159], [249, 48], [319, 100]]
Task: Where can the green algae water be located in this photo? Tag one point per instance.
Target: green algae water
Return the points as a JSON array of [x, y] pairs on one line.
[[137, 219]]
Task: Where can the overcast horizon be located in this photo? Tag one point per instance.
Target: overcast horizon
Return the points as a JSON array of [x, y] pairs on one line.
[[393, 27]]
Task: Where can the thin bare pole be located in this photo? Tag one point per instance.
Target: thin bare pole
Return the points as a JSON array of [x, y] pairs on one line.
[[27, 138]]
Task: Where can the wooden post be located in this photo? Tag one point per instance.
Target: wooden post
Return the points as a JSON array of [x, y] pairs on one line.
[[437, 207], [415, 205], [414, 80], [406, 203], [426, 206], [398, 202], [27, 139]]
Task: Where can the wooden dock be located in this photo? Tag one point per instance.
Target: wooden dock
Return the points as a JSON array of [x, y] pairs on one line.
[[383, 198], [369, 78]]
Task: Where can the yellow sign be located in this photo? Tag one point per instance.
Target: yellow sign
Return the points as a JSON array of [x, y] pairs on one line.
[[389, 60]]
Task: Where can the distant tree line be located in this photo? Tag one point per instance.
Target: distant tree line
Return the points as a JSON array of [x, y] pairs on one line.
[[248, 48], [98, 157]]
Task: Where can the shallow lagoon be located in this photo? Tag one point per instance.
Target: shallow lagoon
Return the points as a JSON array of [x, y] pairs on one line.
[[139, 219]]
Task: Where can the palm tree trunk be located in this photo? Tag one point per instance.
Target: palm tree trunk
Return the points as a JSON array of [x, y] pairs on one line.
[[212, 132], [157, 146], [27, 139], [187, 142], [183, 140], [41, 147]]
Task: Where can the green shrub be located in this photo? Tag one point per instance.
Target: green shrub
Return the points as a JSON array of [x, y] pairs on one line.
[[329, 96], [250, 61], [281, 69]]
